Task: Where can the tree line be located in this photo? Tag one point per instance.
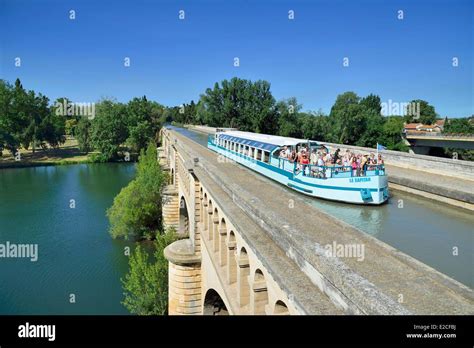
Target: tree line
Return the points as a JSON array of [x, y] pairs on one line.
[[250, 106], [27, 120]]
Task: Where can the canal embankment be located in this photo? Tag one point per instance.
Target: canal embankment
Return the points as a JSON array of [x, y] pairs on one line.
[[383, 281], [445, 180]]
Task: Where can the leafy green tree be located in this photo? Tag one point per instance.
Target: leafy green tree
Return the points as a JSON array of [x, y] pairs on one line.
[[136, 211], [289, 121], [52, 129], [347, 119], [372, 102], [315, 125], [392, 133], [83, 134], [427, 112], [144, 120], [146, 284], [19, 117], [109, 128], [9, 127], [238, 103], [26, 119], [70, 126], [373, 128], [459, 126]]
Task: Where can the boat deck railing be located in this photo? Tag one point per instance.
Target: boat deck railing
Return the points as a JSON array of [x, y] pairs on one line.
[[320, 172], [331, 171]]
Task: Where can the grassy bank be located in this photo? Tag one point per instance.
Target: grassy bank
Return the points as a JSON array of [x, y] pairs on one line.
[[68, 153]]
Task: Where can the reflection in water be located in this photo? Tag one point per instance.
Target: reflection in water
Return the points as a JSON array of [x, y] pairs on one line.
[[75, 252], [424, 229]]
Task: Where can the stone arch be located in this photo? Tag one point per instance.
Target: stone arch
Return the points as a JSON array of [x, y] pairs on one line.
[[183, 227], [243, 272], [231, 258], [259, 294], [222, 242], [214, 304], [280, 308]]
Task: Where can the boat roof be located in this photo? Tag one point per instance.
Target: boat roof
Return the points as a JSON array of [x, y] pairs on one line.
[[274, 140]]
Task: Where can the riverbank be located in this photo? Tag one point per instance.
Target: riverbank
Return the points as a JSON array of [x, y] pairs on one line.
[[68, 153]]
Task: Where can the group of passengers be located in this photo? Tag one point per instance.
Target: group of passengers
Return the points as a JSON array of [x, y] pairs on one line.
[[318, 159]]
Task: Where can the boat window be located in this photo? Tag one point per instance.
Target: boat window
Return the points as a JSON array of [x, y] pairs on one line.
[[259, 155], [266, 156]]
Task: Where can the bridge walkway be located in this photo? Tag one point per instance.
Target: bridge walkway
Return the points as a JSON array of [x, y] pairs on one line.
[[386, 281], [443, 185]]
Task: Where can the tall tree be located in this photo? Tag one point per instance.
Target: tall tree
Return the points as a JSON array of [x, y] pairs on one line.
[[372, 102], [346, 119], [288, 118], [238, 103], [109, 128], [83, 135], [427, 113]]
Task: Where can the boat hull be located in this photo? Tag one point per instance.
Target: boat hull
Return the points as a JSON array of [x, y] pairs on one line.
[[369, 190]]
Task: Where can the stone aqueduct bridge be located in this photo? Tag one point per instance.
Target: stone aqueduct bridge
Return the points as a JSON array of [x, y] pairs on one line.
[[250, 246]]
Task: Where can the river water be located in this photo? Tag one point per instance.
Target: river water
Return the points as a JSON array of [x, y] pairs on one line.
[[429, 231], [62, 210]]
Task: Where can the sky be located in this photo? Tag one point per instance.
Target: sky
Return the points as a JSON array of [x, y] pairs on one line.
[[173, 60]]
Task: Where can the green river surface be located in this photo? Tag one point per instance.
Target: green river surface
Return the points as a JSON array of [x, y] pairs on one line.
[[76, 255]]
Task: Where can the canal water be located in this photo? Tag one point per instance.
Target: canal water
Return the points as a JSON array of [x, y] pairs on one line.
[[424, 229], [62, 210]]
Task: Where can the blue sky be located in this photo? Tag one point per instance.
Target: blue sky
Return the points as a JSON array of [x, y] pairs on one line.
[[174, 61]]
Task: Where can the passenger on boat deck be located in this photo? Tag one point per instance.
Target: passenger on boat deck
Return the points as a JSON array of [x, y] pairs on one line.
[[379, 159], [336, 156], [321, 172], [285, 152], [327, 158], [293, 156], [363, 164], [304, 160], [314, 157], [354, 166]]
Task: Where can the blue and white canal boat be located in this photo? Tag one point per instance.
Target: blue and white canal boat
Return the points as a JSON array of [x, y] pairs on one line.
[[262, 153]]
